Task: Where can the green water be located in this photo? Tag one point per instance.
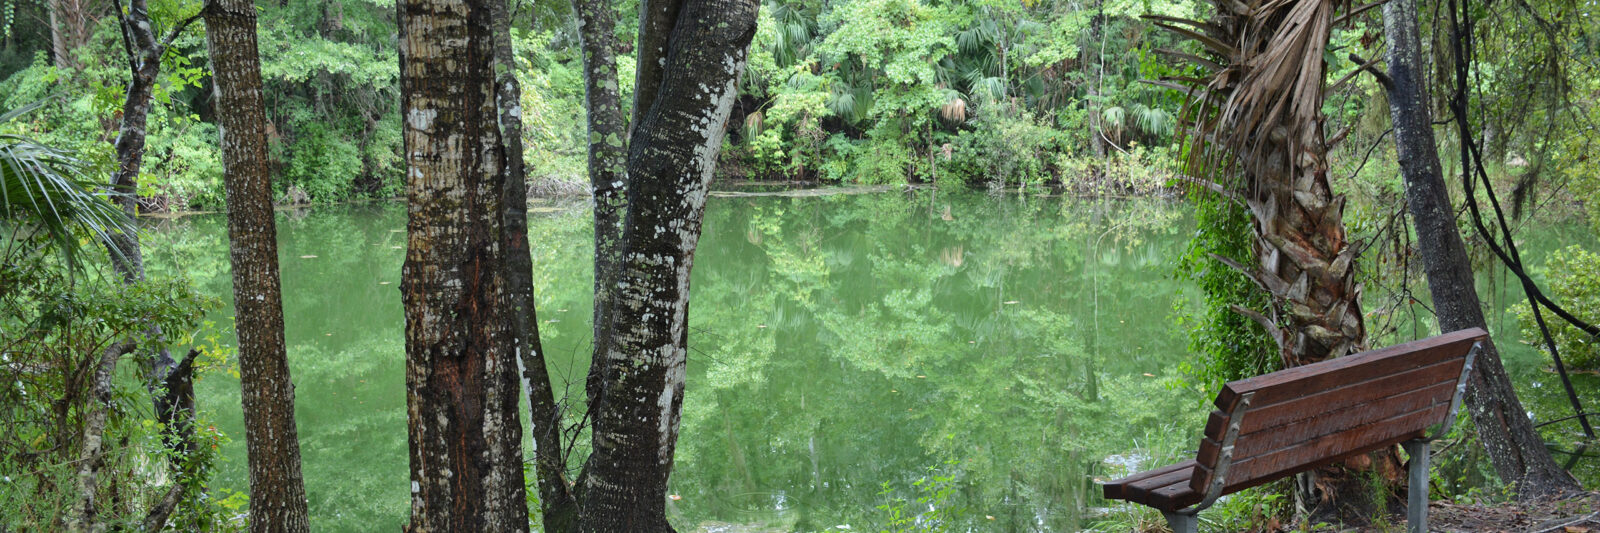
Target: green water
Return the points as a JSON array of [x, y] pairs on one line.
[[842, 348]]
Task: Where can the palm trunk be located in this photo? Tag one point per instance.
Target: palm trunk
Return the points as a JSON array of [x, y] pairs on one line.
[[461, 384], [559, 510], [277, 492], [1509, 439], [670, 162], [1268, 129]]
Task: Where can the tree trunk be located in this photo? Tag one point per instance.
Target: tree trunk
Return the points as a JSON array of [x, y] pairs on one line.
[[461, 382], [1513, 446], [1094, 70], [671, 158], [559, 510], [277, 492], [91, 456], [608, 158], [1269, 130]]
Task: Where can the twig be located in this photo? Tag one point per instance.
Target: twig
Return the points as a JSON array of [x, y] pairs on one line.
[[1579, 520]]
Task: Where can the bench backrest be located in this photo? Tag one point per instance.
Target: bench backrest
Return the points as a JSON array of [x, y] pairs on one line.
[[1304, 417]]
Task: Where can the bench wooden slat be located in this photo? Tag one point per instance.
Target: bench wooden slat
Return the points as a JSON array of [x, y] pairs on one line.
[[1261, 416], [1161, 491], [1328, 424], [1116, 490], [1316, 453], [1174, 497], [1293, 382]]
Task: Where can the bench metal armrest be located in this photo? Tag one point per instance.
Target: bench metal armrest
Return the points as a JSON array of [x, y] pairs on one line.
[[1219, 476], [1461, 389]]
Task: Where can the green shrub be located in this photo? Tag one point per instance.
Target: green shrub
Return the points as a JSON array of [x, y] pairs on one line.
[[1574, 281]]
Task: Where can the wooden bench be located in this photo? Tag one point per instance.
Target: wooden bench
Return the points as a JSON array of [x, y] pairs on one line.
[[1272, 426]]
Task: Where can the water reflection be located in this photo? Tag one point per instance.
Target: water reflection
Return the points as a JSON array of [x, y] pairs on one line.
[[842, 348]]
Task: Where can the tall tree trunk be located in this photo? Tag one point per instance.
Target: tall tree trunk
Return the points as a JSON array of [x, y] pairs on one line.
[[144, 50], [608, 157], [1513, 446], [671, 158], [277, 492], [60, 54], [461, 381], [559, 510], [1093, 62]]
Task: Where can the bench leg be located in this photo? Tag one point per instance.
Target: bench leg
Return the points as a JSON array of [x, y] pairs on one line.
[[1181, 522], [1417, 487]]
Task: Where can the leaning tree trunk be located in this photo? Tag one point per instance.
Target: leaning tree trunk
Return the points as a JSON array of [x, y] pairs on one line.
[[461, 381], [277, 492], [672, 154], [559, 510], [1513, 446]]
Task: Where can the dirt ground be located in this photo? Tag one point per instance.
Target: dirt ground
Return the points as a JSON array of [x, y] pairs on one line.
[[1580, 514]]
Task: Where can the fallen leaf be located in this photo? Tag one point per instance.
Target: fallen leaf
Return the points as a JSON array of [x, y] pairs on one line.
[[308, 257], [1149, 375]]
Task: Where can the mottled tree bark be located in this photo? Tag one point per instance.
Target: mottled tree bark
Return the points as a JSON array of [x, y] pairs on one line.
[[1508, 437], [461, 384], [608, 158], [277, 492], [144, 51], [559, 510], [670, 162], [83, 516]]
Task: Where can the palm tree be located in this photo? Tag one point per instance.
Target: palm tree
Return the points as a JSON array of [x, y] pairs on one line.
[[43, 195], [1255, 126]]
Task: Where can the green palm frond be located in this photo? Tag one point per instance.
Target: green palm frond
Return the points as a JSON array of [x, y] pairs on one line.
[[42, 186]]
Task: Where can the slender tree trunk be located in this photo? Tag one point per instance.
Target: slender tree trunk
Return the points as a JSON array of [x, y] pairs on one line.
[[1093, 63], [277, 493], [83, 517], [461, 384], [671, 158], [1513, 446], [559, 510], [608, 157]]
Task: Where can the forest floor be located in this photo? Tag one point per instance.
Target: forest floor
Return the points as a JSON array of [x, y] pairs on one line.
[[1578, 514]]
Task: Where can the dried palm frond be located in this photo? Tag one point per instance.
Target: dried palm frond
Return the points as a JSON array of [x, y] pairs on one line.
[[954, 111]]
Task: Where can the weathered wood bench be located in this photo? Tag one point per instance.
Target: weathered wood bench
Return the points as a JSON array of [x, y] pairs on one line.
[[1272, 426]]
